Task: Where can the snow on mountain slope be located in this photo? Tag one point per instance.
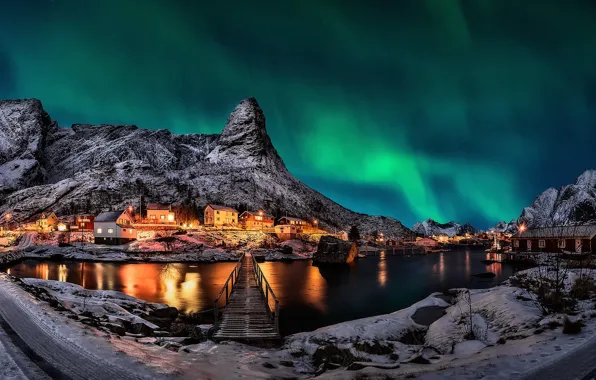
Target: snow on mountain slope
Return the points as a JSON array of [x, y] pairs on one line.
[[431, 227], [570, 204], [91, 168], [24, 131]]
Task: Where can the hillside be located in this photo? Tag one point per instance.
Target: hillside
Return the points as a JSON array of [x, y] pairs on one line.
[[91, 168]]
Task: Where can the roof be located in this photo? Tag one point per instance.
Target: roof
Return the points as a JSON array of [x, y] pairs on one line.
[[221, 208], [292, 218], [109, 216], [257, 213], [576, 232], [157, 206]]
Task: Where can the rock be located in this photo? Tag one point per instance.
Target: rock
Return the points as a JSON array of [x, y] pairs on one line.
[[160, 333], [116, 328], [332, 354], [501, 340], [286, 363], [572, 325], [425, 356], [143, 327], [320, 369], [359, 365], [147, 340], [332, 250], [355, 366], [287, 250], [374, 347], [269, 365], [172, 346], [166, 312]]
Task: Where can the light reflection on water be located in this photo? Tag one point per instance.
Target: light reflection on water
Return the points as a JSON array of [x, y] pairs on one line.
[[310, 297]]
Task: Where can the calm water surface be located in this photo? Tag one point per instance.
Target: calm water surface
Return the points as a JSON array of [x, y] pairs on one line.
[[310, 297]]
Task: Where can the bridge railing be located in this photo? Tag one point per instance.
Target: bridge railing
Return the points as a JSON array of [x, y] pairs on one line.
[[267, 292], [226, 289]]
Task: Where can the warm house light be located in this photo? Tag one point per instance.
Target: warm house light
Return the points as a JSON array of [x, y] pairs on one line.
[[130, 209], [522, 228], [171, 217], [61, 227]]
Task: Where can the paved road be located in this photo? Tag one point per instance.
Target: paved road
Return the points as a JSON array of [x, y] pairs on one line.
[[41, 352], [578, 364]]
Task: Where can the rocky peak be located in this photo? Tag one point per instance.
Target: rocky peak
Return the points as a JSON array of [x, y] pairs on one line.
[[587, 179], [244, 140]]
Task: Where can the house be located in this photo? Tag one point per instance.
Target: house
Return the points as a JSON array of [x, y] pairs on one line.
[[83, 223], [47, 222], [287, 231], [427, 242], [159, 213], [569, 239], [299, 223], [114, 228], [256, 220], [216, 215]]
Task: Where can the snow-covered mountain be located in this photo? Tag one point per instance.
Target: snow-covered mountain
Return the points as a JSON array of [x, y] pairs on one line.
[[505, 227], [90, 168], [431, 227], [570, 204]]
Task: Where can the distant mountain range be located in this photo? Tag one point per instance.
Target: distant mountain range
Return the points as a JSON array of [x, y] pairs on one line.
[[570, 204], [505, 227], [92, 168], [431, 227]]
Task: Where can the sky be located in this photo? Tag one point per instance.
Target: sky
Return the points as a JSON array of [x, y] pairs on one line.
[[452, 110]]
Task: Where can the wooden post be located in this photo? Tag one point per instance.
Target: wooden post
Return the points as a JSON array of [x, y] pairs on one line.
[[277, 316], [227, 292], [215, 316]]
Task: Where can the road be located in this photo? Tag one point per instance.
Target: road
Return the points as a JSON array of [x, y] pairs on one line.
[[577, 364], [37, 344]]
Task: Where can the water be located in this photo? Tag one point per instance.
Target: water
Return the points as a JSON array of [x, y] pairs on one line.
[[310, 297]]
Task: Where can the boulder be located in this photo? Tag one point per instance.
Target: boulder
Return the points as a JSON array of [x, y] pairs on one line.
[[332, 250], [116, 328]]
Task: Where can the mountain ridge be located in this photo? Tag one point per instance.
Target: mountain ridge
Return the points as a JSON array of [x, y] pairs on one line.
[[93, 167], [431, 227]]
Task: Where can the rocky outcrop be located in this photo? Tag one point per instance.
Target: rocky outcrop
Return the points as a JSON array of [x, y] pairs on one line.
[[90, 168], [505, 227], [570, 204], [332, 250]]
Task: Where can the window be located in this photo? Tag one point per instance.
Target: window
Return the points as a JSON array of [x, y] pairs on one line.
[[162, 217], [529, 245], [217, 212], [218, 219], [541, 243], [110, 230], [99, 230], [171, 217], [124, 230], [151, 216], [83, 225], [561, 243]]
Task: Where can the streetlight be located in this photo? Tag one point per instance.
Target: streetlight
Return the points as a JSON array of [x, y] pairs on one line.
[[522, 228]]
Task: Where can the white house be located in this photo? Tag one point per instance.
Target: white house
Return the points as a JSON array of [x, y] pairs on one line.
[[114, 228]]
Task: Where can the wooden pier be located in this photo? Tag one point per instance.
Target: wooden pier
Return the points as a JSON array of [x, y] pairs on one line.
[[247, 312]]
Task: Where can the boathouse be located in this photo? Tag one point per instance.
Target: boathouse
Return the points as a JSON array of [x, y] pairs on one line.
[[567, 239]]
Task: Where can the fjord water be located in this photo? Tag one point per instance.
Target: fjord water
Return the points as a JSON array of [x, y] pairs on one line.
[[310, 296]]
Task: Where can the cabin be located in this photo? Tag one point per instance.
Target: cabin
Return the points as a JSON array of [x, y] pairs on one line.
[[564, 239], [299, 223], [47, 222], [158, 213], [427, 242], [256, 220], [114, 228], [216, 215], [287, 231], [83, 223]]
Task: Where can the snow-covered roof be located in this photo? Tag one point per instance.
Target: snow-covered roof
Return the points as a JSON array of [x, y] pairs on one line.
[[109, 216], [292, 218], [221, 208], [575, 232], [257, 213], [157, 206]]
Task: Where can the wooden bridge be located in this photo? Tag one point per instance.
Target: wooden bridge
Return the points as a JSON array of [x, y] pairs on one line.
[[247, 312]]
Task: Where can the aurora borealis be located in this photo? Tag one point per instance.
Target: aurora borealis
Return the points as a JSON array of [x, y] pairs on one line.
[[454, 110]]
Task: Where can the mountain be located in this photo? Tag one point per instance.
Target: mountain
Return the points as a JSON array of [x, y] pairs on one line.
[[570, 204], [91, 168], [503, 226], [430, 227]]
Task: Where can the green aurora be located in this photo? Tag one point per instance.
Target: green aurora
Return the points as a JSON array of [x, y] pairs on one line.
[[454, 110]]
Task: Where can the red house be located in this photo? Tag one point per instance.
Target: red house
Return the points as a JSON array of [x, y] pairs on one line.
[[83, 223]]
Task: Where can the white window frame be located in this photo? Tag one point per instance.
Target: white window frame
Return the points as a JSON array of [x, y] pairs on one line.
[[561, 243], [516, 243], [99, 230], [541, 243], [110, 230]]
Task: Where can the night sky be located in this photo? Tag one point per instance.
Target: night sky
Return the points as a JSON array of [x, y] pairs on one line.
[[455, 110]]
